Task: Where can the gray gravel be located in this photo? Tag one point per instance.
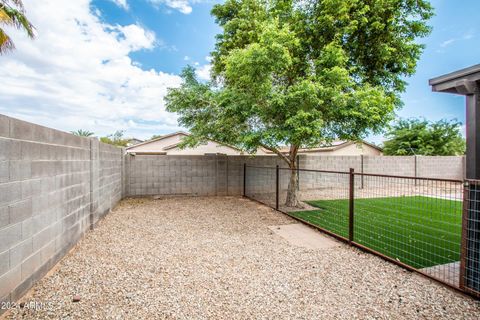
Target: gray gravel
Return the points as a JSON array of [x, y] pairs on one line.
[[215, 258]]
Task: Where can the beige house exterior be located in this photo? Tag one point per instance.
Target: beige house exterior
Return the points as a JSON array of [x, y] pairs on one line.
[[169, 145], [341, 148]]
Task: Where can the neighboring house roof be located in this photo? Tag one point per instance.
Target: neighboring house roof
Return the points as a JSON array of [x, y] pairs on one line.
[[159, 138], [333, 146], [170, 144]]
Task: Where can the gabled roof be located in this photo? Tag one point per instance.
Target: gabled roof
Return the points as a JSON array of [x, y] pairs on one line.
[[175, 145], [160, 138], [334, 145]]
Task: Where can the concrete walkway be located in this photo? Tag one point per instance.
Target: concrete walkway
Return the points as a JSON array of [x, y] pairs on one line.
[[303, 236]]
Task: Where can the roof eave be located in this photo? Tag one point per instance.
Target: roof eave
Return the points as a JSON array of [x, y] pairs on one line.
[[159, 138], [459, 82]]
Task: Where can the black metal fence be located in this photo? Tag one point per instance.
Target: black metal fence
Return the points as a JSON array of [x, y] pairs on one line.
[[423, 224], [470, 262]]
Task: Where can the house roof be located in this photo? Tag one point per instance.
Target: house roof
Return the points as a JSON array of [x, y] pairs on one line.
[[175, 145], [334, 145], [159, 138]]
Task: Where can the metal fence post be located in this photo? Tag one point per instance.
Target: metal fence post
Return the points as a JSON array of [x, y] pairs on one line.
[[361, 168], [277, 186], [464, 244], [415, 168], [351, 205], [244, 179]]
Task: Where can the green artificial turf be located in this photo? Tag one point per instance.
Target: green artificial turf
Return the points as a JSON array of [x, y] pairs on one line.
[[419, 231]]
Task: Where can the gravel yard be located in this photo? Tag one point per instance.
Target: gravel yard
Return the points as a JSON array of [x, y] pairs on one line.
[[216, 258]]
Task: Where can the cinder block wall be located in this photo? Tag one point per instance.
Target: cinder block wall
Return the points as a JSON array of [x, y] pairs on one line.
[[261, 180], [53, 185], [175, 175], [109, 188], [389, 165], [221, 175], [191, 175], [441, 167]]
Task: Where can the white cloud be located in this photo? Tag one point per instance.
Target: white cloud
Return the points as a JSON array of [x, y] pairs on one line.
[[121, 3], [77, 74], [203, 72], [184, 6], [466, 36], [448, 42], [186, 58]]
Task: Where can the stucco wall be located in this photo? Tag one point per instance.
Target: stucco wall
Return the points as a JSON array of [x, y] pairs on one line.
[[156, 146], [163, 145], [209, 147], [355, 149]]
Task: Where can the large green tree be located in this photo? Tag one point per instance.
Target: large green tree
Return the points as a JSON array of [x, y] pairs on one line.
[[12, 13], [421, 137], [299, 73]]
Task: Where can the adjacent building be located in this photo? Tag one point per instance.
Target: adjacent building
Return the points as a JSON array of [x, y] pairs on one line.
[[341, 148], [170, 145]]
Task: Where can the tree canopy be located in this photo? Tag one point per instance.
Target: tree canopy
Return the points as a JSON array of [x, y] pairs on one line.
[[116, 139], [421, 137], [300, 73], [12, 13]]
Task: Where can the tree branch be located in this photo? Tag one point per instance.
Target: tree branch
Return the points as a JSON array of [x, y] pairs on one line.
[[281, 155], [293, 153]]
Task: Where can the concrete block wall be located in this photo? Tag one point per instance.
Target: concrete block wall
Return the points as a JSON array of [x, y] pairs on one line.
[[332, 163], [175, 175], [222, 175], [441, 167], [315, 180], [260, 181], [389, 165], [46, 198], [110, 179]]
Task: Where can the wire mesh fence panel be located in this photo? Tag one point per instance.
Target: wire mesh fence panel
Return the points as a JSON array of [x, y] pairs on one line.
[[417, 222], [470, 278], [323, 198], [260, 184], [431, 225]]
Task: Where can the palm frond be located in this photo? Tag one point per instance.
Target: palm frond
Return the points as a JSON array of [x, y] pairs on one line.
[[6, 44], [16, 3], [82, 133], [4, 18], [19, 20]]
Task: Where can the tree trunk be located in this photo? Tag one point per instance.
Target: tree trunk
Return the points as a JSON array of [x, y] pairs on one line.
[[292, 191], [291, 160]]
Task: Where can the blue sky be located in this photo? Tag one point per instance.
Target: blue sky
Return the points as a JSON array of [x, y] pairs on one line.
[[104, 65]]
